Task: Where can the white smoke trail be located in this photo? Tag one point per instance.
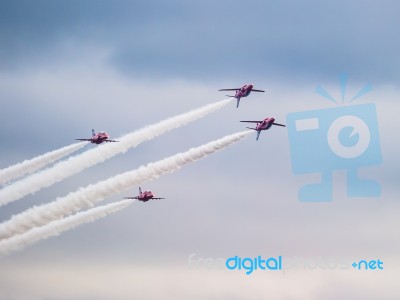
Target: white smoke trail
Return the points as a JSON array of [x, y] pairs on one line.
[[19, 242], [90, 195], [36, 163], [78, 163]]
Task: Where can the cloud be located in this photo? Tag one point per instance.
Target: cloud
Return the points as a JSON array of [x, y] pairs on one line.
[[121, 280], [209, 39]]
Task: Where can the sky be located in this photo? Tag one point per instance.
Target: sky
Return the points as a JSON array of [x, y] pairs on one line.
[[69, 66]]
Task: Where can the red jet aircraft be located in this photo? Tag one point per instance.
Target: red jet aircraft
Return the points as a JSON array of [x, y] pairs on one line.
[[144, 196], [244, 91], [98, 138], [263, 125]]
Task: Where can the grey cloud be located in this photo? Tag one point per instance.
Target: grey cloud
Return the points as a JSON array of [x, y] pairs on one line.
[[207, 39]]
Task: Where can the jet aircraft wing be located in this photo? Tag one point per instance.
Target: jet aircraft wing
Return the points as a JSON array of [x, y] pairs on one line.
[[229, 89]]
